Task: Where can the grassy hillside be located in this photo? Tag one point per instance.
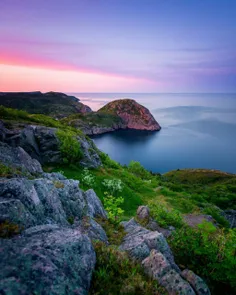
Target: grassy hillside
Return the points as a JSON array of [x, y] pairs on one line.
[[51, 103], [208, 250], [92, 119]]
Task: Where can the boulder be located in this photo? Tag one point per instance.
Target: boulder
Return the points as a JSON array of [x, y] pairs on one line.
[[159, 268], [139, 242], [143, 213], [151, 249], [47, 260], [95, 208], [174, 284], [50, 199], [199, 286], [16, 157]]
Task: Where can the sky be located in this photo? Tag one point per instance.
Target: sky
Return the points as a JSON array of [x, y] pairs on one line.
[[118, 45]]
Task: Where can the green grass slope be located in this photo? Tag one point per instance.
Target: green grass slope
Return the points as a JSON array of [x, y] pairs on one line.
[[207, 250], [53, 104]]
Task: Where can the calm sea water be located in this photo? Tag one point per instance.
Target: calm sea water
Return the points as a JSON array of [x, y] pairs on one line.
[[198, 131]]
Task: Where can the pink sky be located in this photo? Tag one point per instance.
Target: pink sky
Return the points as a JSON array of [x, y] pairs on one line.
[[118, 46]]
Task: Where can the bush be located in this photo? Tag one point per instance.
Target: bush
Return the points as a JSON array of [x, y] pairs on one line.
[[113, 185], [215, 213], [69, 146], [108, 162], [111, 205], [137, 169], [166, 217], [87, 178], [209, 252]]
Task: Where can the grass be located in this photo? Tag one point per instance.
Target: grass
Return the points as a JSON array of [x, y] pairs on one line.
[[14, 116], [156, 189], [7, 171], [92, 119], [115, 273]]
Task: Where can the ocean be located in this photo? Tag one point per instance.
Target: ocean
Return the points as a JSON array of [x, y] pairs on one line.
[[198, 131]]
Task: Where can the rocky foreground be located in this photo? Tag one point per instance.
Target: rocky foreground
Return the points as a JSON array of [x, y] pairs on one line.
[[52, 252]]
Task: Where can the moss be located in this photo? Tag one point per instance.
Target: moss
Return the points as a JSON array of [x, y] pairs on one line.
[[7, 171], [58, 184], [8, 229]]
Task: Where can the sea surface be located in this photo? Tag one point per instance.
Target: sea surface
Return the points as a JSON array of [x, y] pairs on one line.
[[198, 131]]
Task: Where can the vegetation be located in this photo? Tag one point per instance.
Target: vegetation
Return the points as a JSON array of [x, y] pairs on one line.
[[7, 171], [14, 116], [92, 119], [111, 205], [23, 116], [166, 216], [8, 229], [52, 103], [115, 273], [210, 253], [69, 146], [207, 250]]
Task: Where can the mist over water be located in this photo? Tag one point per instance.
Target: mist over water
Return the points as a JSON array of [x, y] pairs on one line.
[[198, 131]]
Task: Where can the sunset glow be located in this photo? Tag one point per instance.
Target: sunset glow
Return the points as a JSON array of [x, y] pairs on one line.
[[105, 47]]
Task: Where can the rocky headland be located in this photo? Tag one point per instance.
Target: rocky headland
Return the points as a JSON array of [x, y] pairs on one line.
[[116, 115]]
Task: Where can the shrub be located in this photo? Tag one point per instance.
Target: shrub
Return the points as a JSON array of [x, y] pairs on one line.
[[87, 178], [113, 185], [108, 162], [215, 213], [166, 217], [137, 169], [111, 205], [209, 252], [69, 146]]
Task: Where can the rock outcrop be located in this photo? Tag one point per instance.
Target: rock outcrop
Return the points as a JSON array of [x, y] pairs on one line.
[[53, 255], [116, 115], [18, 158], [134, 115], [230, 216], [47, 260], [42, 144], [54, 104], [151, 249]]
